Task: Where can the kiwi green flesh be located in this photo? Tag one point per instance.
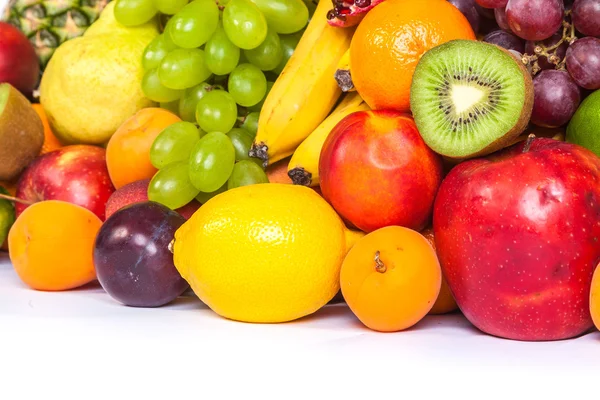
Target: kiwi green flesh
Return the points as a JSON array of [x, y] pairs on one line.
[[468, 96], [4, 91]]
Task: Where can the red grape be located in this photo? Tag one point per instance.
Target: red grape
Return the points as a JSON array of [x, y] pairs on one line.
[[506, 40], [583, 62], [467, 8], [132, 257], [485, 12], [534, 19], [492, 3], [557, 97], [559, 52], [586, 17], [500, 14]]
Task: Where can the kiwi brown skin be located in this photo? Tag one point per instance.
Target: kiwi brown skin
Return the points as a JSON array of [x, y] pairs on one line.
[[522, 123], [21, 135]]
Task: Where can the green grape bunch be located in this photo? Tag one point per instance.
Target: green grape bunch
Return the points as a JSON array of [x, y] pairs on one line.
[[213, 65]]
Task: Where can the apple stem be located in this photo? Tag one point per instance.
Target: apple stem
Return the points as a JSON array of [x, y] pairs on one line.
[[15, 200], [379, 265], [528, 142]]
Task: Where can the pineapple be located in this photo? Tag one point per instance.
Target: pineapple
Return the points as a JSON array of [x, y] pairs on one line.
[[49, 23]]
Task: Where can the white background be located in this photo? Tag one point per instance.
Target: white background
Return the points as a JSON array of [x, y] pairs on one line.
[[81, 344]]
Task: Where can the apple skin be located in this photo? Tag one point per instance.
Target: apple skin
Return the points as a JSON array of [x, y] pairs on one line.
[[76, 174], [518, 237], [376, 171], [19, 64], [137, 192]]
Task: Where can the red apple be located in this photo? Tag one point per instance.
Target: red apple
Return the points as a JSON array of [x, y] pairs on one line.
[[76, 174], [518, 237], [136, 192], [376, 171], [19, 64]]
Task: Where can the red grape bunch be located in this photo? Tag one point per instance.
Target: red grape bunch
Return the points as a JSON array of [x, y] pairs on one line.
[[558, 41]]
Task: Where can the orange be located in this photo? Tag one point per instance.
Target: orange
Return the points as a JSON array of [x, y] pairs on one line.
[[445, 302], [595, 298], [389, 42], [128, 150], [51, 143], [391, 278], [51, 245]]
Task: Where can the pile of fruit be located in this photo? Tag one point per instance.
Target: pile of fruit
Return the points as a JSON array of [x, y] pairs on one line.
[[406, 157]]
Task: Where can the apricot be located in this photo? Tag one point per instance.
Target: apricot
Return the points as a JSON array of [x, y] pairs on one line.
[[128, 150], [391, 278], [445, 302], [51, 245], [51, 142], [595, 298]]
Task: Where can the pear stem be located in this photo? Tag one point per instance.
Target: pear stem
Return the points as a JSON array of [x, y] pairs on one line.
[[15, 200], [379, 265]]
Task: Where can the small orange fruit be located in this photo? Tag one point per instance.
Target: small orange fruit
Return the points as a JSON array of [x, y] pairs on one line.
[[595, 298], [445, 302], [391, 278], [389, 42], [128, 150], [51, 143], [51, 245]]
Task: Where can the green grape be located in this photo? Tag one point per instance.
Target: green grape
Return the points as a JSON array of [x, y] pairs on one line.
[[156, 50], [244, 24], [222, 56], [171, 186], [312, 6], [247, 85], [216, 111], [246, 173], [284, 16], [250, 123], [173, 144], [211, 162], [242, 141], [204, 197], [172, 106], [288, 45], [183, 69], [194, 24], [259, 106], [134, 12], [189, 101], [169, 7], [155, 91], [268, 55]]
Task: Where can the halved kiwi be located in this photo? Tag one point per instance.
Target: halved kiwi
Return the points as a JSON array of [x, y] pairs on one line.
[[470, 98], [21, 132]]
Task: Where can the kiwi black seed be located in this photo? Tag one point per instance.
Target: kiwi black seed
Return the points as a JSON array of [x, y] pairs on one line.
[[470, 98], [21, 132]]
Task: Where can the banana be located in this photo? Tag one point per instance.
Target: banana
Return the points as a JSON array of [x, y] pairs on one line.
[[343, 75], [303, 168], [305, 92]]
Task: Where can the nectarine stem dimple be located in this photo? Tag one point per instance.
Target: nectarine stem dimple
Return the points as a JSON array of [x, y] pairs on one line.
[[528, 142], [15, 200], [379, 265]]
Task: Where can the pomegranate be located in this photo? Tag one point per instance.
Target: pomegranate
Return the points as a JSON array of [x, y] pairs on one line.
[[347, 13]]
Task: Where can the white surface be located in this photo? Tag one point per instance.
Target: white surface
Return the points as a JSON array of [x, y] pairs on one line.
[[81, 345]]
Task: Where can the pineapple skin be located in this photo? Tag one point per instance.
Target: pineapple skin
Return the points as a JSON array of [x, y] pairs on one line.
[[50, 23]]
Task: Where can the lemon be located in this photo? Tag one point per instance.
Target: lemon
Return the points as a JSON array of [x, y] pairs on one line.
[[263, 253]]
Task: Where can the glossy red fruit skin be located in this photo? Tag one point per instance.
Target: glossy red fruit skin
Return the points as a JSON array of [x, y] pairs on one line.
[[137, 192], [348, 13], [19, 64], [76, 174], [376, 171], [533, 19], [518, 238]]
